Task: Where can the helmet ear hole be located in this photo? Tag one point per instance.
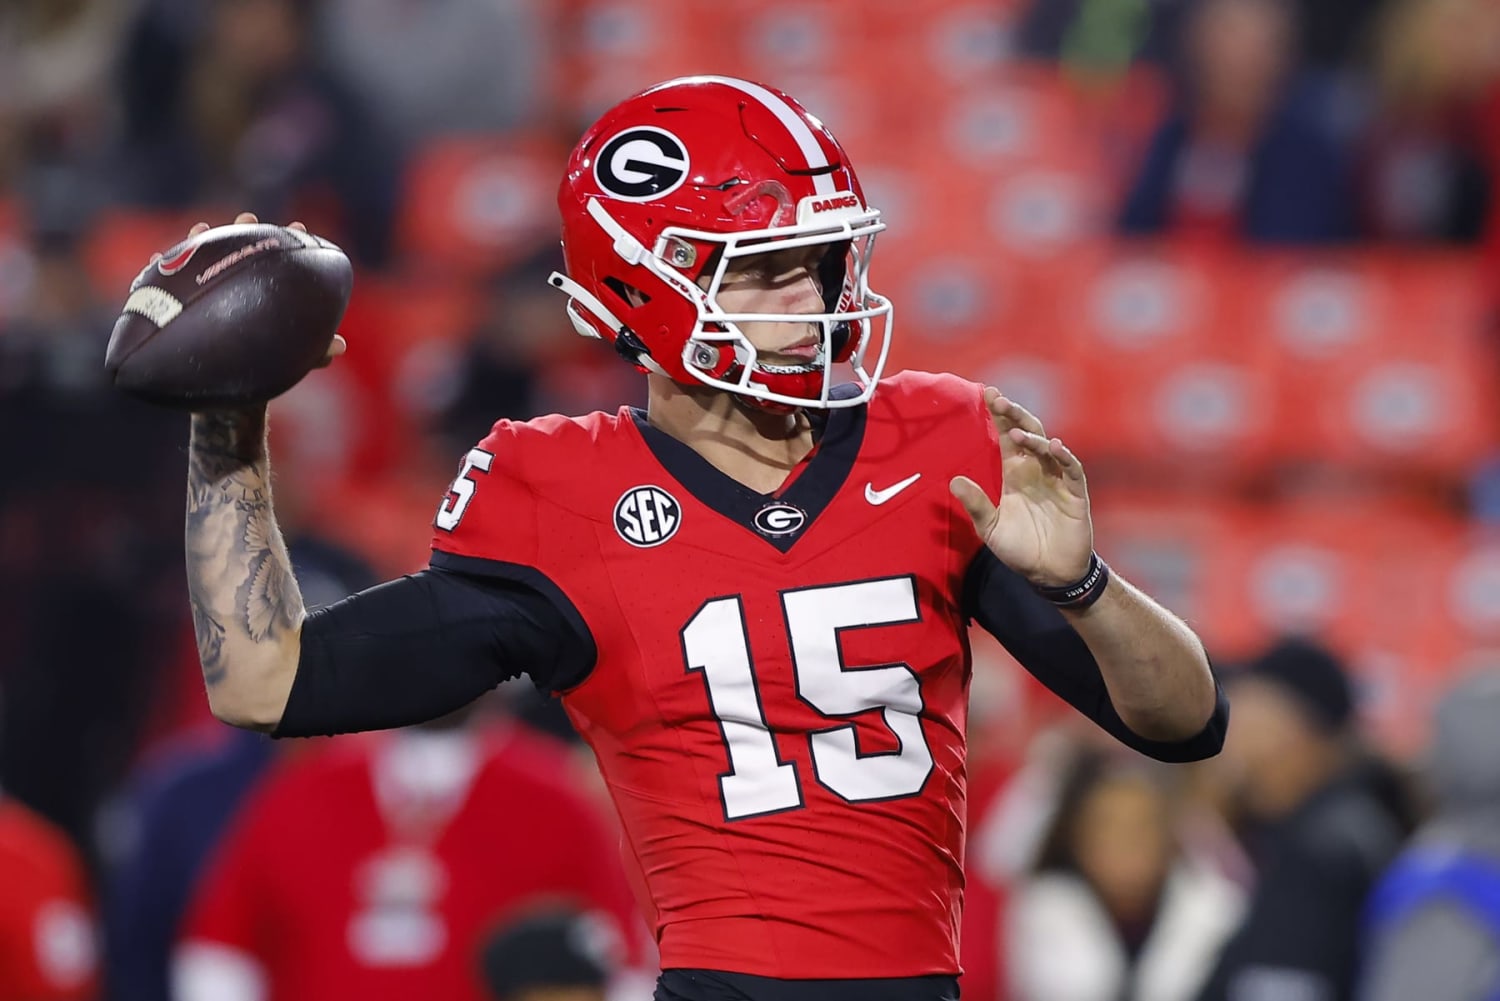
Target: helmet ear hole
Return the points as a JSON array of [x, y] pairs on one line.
[[629, 294]]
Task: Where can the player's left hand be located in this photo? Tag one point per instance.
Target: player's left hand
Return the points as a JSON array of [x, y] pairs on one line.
[[1041, 527]]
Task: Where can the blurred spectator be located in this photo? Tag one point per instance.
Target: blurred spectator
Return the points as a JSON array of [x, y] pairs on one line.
[[1322, 835], [47, 948], [442, 66], [525, 360], [176, 808], [1434, 920], [1425, 174], [1115, 909], [173, 815], [1336, 33], [372, 867], [56, 57], [53, 348], [1250, 151], [553, 955], [1101, 34], [224, 103], [90, 494], [59, 53], [499, 375]]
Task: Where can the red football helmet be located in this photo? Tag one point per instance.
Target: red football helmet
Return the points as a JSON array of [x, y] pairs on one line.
[[673, 185]]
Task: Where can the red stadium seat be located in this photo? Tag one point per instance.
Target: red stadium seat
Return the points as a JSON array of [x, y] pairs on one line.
[[1464, 578], [1172, 381], [772, 40], [1008, 122], [1169, 546], [474, 203], [613, 48], [1386, 585], [941, 48], [1043, 213], [978, 316], [1330, 568], [1383, 359]]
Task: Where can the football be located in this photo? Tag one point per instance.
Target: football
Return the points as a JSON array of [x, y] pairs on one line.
[[231, 317]]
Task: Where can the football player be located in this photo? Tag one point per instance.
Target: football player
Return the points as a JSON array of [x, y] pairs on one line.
[[753, 596]]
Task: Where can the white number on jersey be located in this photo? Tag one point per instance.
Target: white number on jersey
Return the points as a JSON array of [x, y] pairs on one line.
[[451, 511], [758, 782]]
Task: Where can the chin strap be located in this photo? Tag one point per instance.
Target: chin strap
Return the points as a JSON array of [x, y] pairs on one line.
[[754, 404]]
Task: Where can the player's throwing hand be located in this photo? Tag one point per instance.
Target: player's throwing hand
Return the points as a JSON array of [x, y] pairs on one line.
[[339, 345], [1041, 528]]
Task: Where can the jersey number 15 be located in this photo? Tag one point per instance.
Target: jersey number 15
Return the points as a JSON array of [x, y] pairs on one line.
[[758, 782]]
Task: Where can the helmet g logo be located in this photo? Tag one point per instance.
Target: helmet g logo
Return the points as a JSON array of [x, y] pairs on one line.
[[641, 163]]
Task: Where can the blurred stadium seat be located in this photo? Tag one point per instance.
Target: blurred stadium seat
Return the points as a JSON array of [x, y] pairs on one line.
[[617, 47], [1022, 119], [1171, 376], [1382, 361], [1167, 544], [952, 45], [1403, 589], [1045, 212], [472, 203]]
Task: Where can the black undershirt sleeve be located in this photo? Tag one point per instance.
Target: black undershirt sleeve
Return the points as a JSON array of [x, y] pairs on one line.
[[416, 648], [1038, 636]]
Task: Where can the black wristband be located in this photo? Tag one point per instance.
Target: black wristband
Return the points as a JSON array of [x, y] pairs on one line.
[[1081, 593]]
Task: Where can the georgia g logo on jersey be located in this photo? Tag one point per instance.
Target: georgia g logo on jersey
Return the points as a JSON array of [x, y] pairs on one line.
[[780, 519], [647, 516], [641, 163]]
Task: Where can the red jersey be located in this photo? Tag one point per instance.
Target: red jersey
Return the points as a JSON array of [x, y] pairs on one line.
[[47, 946], [779, 696], [366, 872]]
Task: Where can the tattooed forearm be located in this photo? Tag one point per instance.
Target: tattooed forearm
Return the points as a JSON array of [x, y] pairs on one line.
[[246, 604], [210, 643]]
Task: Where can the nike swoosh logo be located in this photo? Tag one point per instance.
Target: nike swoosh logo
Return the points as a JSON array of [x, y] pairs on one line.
[[881, 496]]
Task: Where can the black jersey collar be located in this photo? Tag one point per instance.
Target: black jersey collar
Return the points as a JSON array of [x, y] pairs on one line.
[[780, 518]]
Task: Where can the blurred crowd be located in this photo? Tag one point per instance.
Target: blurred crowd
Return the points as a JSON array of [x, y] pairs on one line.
[[1207, 178]]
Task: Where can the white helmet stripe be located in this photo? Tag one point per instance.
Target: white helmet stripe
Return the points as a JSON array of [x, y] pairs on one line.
[[801, 134]]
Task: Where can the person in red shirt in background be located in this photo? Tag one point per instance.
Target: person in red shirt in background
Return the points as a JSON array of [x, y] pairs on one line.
[[47, 946], [373, 868]]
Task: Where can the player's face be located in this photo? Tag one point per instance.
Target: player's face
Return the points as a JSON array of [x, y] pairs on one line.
[[782, 282]]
